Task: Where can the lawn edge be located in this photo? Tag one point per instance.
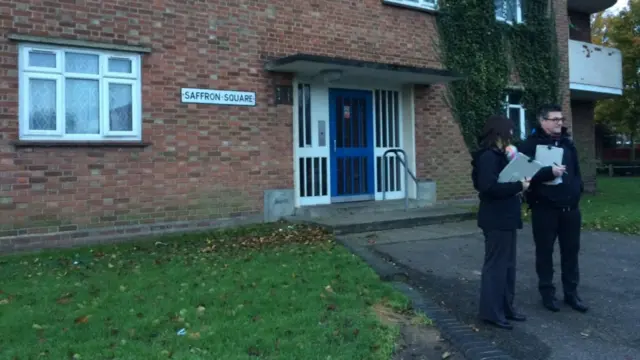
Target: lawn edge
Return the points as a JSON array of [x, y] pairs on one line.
[[461, 336]]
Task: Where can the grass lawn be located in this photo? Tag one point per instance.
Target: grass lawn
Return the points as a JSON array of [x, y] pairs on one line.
[[267, 292], [615, 206]]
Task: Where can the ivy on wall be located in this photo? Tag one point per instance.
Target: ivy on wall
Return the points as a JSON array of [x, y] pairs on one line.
[[487, 51], [534, 50]]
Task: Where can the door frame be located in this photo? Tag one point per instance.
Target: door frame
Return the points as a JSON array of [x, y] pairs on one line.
[[367, 95], [320, 121]]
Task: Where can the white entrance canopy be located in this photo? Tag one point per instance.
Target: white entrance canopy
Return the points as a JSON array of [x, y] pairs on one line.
[[333, 68]]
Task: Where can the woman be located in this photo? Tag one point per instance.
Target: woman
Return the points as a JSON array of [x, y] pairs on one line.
[[499, 217]]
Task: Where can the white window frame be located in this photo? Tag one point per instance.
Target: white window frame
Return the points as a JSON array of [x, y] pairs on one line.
[[519, 18], [523, 112], [416, 4], [59, 74]]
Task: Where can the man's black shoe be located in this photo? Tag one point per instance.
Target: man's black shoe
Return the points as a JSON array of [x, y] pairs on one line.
[[517, 317], [500, 324], [576, 304], [551, 304]]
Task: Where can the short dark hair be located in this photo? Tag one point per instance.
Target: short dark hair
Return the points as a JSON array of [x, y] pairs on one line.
[[497, 127], [544, 111]]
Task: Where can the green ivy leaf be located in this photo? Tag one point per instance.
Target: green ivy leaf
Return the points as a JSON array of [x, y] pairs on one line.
[[487, 52]]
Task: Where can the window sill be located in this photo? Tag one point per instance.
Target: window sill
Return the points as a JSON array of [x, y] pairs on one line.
[[509, 23], [79, 144], [410, 6]]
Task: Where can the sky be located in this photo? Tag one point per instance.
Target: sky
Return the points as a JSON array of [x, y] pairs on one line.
[[619, 5]]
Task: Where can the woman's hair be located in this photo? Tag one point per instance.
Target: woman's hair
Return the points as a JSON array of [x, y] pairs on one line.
[[497, 128]]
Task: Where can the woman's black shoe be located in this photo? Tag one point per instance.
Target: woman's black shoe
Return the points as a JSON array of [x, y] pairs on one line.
[[517, 317], [500, 324], [551, 304]]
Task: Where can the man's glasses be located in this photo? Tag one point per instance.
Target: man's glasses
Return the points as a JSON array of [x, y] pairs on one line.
[[555, 120]]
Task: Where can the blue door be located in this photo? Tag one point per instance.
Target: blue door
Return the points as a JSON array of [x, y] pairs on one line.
[[352, 157]]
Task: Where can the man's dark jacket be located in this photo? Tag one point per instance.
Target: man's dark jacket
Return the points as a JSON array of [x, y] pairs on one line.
[[500, 203], [566, 194]]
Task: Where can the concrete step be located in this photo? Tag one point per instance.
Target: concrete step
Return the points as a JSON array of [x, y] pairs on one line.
[[408, 235], [361, 207], [359, 218]]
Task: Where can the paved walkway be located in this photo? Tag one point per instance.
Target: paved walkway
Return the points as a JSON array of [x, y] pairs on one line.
[[449, 263]]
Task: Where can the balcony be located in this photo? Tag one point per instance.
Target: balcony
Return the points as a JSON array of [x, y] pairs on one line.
[[589, 6], [595, 72]]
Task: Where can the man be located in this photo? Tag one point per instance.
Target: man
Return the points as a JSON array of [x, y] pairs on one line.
[[555, 211]]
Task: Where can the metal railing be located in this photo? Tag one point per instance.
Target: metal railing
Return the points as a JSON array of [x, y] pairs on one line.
[[402, 160]]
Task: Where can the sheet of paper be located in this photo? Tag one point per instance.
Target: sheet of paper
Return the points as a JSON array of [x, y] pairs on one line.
[[550, 156], [519, 168]]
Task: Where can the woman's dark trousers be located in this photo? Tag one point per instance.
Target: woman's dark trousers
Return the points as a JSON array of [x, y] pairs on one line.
[[498, 275]]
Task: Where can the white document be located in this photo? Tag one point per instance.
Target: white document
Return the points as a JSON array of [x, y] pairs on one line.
[[519, 168], [550, 156]]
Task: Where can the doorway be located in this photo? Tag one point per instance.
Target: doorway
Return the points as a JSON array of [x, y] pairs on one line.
[[352, 148]]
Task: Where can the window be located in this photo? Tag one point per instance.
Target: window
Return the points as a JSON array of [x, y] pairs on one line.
[[79, 95], [509, 11], [418, 4], [517, 114]]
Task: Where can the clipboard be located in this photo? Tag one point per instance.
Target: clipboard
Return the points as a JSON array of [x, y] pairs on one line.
[[519, 168], [550, 156]]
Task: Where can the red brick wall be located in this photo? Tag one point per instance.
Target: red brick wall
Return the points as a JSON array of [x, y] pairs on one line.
[[562, 33], [583, 111], [584, 134], [204, 161], [441, 153]]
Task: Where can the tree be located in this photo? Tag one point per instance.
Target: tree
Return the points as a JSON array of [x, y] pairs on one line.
[[622, 31]]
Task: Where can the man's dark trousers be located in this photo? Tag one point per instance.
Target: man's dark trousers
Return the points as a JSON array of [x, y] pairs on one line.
[[564, 223]]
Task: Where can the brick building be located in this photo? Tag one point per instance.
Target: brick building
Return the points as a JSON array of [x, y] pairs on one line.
[[128, 117], [595, 73]]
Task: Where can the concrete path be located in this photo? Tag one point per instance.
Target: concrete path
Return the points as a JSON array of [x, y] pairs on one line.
[[448, 259]]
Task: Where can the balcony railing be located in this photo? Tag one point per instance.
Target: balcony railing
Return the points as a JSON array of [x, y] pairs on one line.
[[595, 72]]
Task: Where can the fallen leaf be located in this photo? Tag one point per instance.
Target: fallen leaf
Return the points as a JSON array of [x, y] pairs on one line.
[[65, 299], [37, 327], [446, 355], [329, 289], [82, 319], [194, 335], [200, 310], [253, 351], [4, 302]]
